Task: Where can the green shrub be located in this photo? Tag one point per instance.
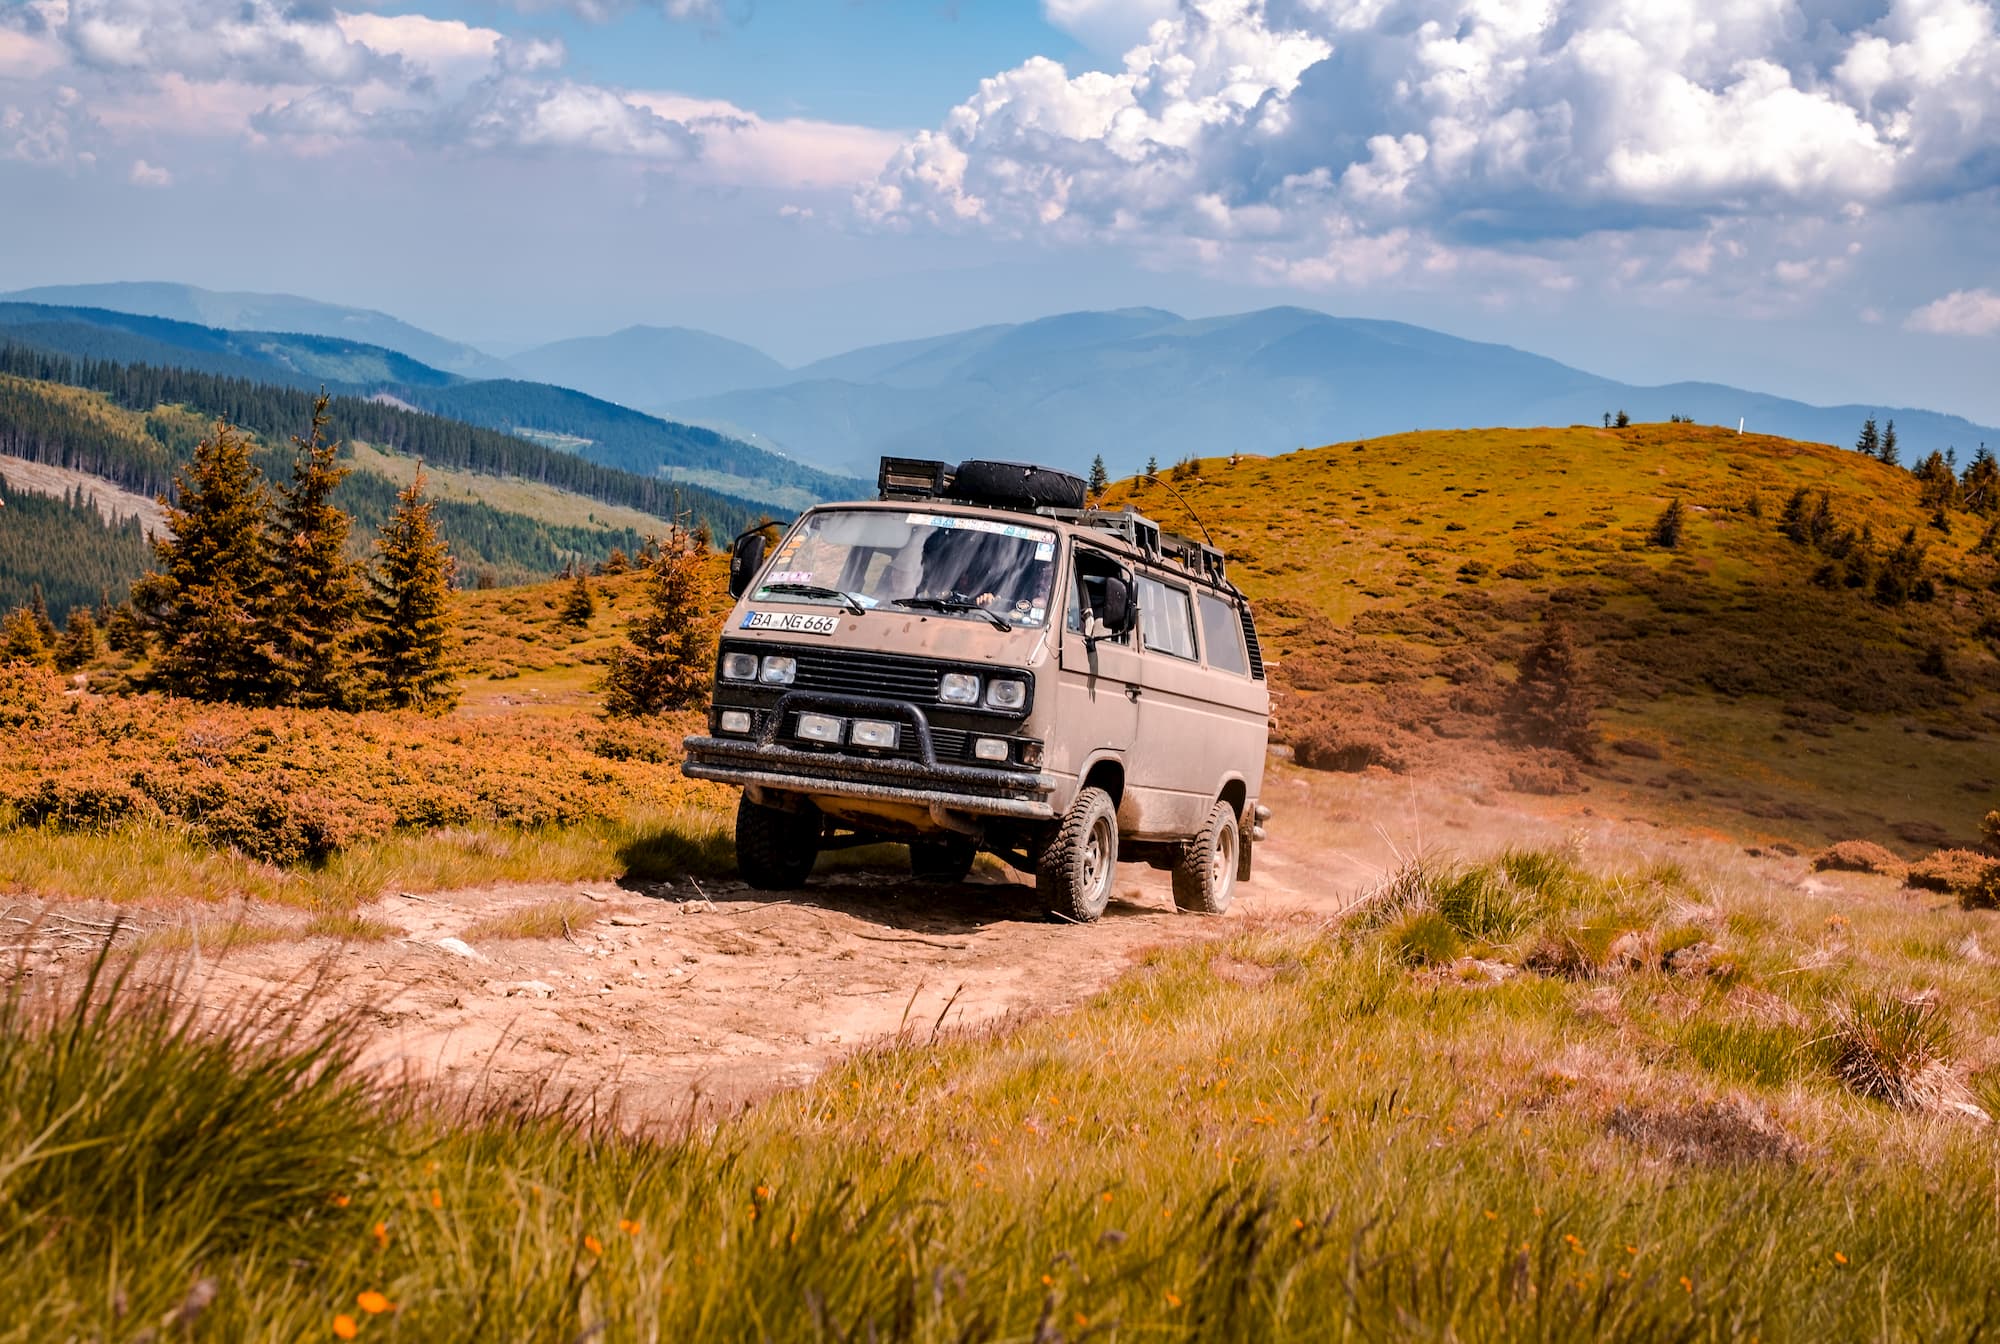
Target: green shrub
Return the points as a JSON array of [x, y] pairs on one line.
[[1890, 1048], [1425, 938]]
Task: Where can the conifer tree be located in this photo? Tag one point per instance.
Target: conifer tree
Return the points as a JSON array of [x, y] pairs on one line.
[[1621, 421], [1937, 481], [1870, 441], [78, 644], [313, 615], [1100, 479], [1551, 702], [21, 639], [38, 609], [1889, 452], [1666, 533], [414, 637], [213, 576], [1152, 466], [670, 649], [1979, 488], [580, 605]]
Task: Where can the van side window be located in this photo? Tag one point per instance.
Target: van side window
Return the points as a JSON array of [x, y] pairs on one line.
[[1222, 635], [1086, 594], [1166, 625]]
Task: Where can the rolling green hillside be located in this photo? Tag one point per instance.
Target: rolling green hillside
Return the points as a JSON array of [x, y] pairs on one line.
[[1399, 580]]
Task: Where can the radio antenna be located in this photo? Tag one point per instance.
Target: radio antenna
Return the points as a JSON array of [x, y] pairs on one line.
[[1182, 499]]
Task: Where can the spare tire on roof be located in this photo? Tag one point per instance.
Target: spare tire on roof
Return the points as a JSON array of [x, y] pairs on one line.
[[1016, 485]]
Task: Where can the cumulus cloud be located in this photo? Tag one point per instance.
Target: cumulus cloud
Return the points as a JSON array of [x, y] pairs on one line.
[[1963, 312], [1330, 138], [1114, 26], [741, 148], [254, 41], [144, 174]]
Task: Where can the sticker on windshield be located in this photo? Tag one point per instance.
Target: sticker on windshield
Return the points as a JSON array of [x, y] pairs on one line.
[[791, 576], [792, 622], [1045, 550], [946, 520]]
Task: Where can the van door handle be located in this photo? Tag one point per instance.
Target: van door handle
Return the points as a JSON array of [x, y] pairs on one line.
[[1132, 694]]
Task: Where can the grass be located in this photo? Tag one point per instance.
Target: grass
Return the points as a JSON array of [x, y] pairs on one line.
[[1354, 1148], [509, 494], [544, 919]]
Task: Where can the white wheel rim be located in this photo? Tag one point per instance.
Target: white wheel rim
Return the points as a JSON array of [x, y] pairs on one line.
[[1096, 870], [1222, 864]]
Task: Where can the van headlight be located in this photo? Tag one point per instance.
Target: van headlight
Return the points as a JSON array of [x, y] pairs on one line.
[[779, 671], [739, 667], [959, 688], [1006, 693]]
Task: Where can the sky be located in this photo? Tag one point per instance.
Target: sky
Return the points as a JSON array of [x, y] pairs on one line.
[[1801, 198]]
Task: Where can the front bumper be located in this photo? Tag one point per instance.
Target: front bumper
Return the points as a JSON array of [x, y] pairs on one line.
[[958, 788]]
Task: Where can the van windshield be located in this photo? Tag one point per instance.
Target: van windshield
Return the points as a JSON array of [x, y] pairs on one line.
[[977, 568]]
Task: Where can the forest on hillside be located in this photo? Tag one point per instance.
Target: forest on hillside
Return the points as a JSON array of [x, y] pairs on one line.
[[66, 549]]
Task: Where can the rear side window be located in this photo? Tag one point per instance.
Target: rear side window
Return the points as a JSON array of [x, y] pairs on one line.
[[1165, 622], [1222, 636]]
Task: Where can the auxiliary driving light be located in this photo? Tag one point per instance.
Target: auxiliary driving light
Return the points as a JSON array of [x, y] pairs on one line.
[[872, 733], [820, 727], [735, 721], [959, 688], [779, 671], [739, 666], [990, 748]]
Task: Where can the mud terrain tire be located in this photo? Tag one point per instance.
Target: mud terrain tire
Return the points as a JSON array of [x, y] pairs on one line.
[[945, 862], [775, 850], [1073, 875], [1205, 876]]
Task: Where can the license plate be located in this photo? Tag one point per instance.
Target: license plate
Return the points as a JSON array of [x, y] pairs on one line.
[[792, 622]]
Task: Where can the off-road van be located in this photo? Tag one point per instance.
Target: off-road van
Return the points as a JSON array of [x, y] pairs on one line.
[[978, 661]]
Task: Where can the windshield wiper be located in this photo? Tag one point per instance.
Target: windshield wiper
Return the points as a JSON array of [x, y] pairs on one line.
[[955, 604], [851, 602]]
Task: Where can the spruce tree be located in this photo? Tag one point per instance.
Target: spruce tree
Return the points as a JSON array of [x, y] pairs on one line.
[[213, 577], [1979, 488], [1100, 479], [579, 606], [21, 639], [1621, 421], [1666, 533], [413, 638], [1152, 466], [78, 644], [1889, 452], [38, 609], [670, 649], [1551, 702], [1870, 441], [313, 617]]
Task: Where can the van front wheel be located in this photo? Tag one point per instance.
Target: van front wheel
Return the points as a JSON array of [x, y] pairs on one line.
[[1205, 874], [1074, 873], [775, 850]]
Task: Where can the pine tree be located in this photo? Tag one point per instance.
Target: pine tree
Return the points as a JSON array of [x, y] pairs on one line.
[[1870, 441], [79, 644], [38, 609], [1937, 482], [1666, 533], [312, 620], [1621, 421], [413, 639], [615, 563], [669, 656], [1100, 479], [1152, 466], [1979, 488], [125, 633], [1889, 452], [213, 577], [579, 606], [21, 639], [1551, 702]]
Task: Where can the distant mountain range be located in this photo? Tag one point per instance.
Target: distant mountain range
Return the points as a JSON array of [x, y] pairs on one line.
[[1142, 383], [553, 417], [1130, 384]]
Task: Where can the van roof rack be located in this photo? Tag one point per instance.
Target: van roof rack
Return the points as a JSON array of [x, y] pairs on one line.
[[915, 478]]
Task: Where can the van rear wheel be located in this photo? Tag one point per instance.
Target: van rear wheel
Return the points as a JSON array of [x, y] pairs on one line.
[[1073, 875], [1205, 874], [945, 862], [775, 849]]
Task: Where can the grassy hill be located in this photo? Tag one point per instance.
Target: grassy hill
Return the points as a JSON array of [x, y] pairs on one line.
[[1400, 579]]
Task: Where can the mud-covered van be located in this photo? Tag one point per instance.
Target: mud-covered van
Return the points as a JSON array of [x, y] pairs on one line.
[[978, 661]]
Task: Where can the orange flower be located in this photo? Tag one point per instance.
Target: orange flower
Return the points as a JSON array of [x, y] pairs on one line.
[[1106, 1196], [628, 1226], [1687, 1284], [1173, 1299], [344, 1326], [763, 1192], [1839, 1258], [381, 1234], [373, 1302], [437, 1199], [593, 1245], [340, 1201], [1492, 1216]]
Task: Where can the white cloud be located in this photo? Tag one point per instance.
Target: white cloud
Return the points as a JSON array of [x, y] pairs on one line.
[[144, 174], [447, 49], [742, 148], [1349, 138], [1114, 26], [1963, 312], [255, 41]]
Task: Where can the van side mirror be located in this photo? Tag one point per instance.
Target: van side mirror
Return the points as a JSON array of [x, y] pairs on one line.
[[1118, 612], [745, 558]]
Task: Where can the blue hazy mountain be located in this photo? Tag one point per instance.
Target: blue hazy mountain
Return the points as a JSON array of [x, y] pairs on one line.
[[1139, 383], [271, 312], [648, 367]]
